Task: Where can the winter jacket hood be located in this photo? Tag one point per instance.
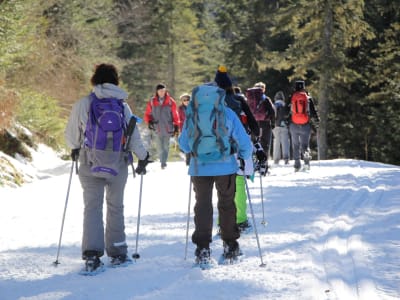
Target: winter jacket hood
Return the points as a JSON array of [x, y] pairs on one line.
[[75, 130], [109, 90]]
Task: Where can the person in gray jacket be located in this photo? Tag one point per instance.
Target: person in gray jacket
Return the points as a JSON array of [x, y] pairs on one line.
[[162, 116], [95, 241], [281, 130]]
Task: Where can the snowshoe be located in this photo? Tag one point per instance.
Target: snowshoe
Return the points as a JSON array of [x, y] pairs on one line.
[[93, 266], [203, 258], [232, 254], [245, 227], [120, 261]]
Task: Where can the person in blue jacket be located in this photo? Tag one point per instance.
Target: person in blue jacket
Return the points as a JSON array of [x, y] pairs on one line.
[[222, 173]]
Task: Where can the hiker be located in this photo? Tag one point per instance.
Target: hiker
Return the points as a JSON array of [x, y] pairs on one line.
[[185, 98], [302, 109], [161, 115], [281, 130], [264, 112], [213, 162], [78, 135], [237, 102]]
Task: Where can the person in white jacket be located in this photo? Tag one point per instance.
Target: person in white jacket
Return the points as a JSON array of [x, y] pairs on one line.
[[95, 241]]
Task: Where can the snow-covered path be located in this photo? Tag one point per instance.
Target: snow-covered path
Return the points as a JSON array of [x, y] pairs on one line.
[[332, 233]]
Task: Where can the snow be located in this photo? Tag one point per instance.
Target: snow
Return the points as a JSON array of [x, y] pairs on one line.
[[331, 233]]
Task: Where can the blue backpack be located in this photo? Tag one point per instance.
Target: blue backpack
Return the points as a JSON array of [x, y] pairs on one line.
[[205, 124], [105, 135]]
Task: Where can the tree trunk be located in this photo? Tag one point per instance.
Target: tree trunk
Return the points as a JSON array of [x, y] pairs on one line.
[[327, 65]]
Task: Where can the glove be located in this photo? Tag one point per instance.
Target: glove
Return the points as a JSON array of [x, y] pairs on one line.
[[263, 168], [176, 130], [241, 164], [141, 168], [151, 125], [75, 154], [260, 154]]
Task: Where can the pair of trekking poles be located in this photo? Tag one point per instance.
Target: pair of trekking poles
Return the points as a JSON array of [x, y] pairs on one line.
[[130, 129], [252, 216], [134, 255]]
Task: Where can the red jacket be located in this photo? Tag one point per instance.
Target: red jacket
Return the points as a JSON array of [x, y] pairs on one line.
[[164, 116], [182, 115]]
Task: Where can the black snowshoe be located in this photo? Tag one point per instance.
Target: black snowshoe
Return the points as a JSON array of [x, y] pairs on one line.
[[232, 253]]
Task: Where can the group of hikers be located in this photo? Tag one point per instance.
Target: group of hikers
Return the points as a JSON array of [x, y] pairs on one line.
[[225, 135]]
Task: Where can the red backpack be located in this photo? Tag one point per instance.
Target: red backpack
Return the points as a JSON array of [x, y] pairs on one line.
[[300, 108]]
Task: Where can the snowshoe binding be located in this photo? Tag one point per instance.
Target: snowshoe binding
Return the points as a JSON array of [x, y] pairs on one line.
[[122, 260], [203, 258], [93, 266], [245, 227], [232, 254]]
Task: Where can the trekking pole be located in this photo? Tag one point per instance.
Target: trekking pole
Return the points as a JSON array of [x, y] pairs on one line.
[[262, 201], [254, 222], [188, 217], [136, 254], [317, 131], [56, 262]]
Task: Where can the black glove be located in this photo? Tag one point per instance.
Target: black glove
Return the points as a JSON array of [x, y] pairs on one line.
[[263, 168], [151, 125], [176, 130], [142, 163], [260, 154], [75, 154], [241, 164]]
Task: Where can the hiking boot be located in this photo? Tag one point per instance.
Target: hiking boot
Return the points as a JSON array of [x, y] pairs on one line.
[[163, 165], [231, 250], [203, 256], [286, 161], [244, 226], [120, 260], [92, 264], [307, 158], [297, 165]]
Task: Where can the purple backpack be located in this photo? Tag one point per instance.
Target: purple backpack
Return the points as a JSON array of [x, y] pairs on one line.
[[105, 135]]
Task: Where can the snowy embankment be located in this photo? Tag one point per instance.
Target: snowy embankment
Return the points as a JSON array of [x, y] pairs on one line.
[[332, 233]]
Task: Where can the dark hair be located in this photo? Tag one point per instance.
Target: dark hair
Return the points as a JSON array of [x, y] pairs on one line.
[[105, 73], [160, 86], [299, 85]]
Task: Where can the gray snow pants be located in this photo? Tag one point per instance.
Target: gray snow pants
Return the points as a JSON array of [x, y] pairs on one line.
[[94, 238], [281, 138], [163, 148], [300, 139], [203, 209]]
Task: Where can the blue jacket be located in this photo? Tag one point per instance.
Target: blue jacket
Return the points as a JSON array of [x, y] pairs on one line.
[[227, 165]]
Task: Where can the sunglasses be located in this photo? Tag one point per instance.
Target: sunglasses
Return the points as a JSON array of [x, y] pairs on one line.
[[185, 100]]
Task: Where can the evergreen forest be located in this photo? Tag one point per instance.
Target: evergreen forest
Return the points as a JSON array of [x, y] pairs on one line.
[[347, 51]]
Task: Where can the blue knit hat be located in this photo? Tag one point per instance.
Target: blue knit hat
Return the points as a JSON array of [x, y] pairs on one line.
[[222, 78]]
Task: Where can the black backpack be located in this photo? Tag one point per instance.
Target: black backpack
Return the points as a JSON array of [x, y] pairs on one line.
[[233, 103]]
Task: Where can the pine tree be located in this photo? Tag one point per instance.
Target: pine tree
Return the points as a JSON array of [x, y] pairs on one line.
[[321, 34]]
